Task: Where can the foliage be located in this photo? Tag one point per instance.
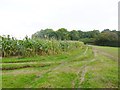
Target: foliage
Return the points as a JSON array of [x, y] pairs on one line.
[[106, 37], [29, 47], [88, 40]]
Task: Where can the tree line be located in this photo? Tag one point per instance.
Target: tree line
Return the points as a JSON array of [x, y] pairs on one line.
[[106, 37]]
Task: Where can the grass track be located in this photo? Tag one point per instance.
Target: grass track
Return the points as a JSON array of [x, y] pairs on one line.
[[84, 68]]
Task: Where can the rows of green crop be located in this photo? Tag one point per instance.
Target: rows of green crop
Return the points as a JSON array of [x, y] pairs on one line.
[[29, 47]]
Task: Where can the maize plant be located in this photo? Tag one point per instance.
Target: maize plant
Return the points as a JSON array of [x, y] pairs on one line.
[[29, 47]]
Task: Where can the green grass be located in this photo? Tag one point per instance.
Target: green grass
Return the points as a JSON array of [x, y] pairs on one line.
[[110, 50], [56, 80], [24, 65], [101, 73], [62, 71], [18, 81], [0, 80]]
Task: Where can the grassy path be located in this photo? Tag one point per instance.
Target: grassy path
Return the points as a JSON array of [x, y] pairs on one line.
[[110, 52], [81, 68], [101, 68], [59, 66]]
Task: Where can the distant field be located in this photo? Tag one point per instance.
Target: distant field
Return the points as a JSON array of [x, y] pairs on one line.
[[85, 67], [112, 51]]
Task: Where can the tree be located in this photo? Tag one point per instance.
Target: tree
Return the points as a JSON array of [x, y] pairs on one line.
[[63, 34], [105, 30], [107, 39], [74, 35], [47, 33]]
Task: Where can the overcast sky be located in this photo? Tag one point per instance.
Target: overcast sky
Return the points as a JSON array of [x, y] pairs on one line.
[[24, 17]]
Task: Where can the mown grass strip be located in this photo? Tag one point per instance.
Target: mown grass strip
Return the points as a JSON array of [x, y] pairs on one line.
[[103, 72], [61, 66], [19, 66]]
